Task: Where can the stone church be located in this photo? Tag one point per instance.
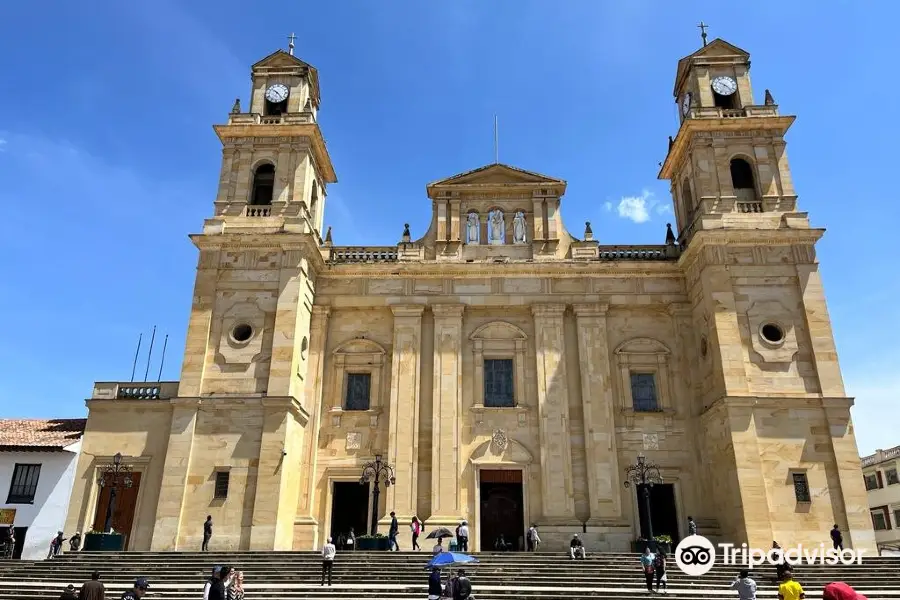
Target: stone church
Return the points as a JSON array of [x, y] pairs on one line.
[[499, 368]]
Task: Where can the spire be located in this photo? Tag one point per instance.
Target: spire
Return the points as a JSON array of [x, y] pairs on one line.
[[703, 26], [588, 232], [407, 238], [769, 99], [328, 241], [293, 37], [670, 235]]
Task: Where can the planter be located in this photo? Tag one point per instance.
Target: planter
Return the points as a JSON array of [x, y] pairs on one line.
[[104, 542], [377, 543]]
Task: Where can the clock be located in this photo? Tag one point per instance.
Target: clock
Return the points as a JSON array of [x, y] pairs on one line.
[[277, 93], [724, 85], [686, 103]]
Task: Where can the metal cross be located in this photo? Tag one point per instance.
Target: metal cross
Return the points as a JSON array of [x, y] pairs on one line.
[[291, 39], [703, 27]]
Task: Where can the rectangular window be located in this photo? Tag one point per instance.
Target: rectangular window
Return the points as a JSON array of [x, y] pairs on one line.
[[24, 484], [801, 487], [222, 479], [358, 389], [878, 521], [643, 392], [891, 475], [871, 481], [897, 517], [498, 382]]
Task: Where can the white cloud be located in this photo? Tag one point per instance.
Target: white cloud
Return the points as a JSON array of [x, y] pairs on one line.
[[608, 206], [639, 208]]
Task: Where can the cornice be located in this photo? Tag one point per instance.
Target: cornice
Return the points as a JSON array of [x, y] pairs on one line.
[[447, 310], [597, 309], [310, 131], [283, 242], [548, 310], [408, 310], [779, 124], [719, 238], [443, 270]]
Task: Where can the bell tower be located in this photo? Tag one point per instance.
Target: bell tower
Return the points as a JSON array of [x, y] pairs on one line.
[[765, 360]]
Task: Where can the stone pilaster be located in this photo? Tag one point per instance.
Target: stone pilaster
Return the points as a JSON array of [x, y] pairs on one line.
[[403, 432], [447, 391], [818, 324], [278, 475], [557, 492], [307, 526], [174, 480], [197, 339], [599, 419], [291, 320]]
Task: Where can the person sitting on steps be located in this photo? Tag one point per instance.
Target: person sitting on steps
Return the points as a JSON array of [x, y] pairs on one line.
[[576, 548]]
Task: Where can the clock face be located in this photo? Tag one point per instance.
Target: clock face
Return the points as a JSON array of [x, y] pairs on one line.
[[277, 93], [724, 86], [686, 103]]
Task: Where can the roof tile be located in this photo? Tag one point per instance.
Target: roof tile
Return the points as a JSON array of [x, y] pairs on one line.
[[40, 434]]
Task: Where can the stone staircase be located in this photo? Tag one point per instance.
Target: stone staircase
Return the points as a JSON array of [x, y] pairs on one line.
[[401, 576]]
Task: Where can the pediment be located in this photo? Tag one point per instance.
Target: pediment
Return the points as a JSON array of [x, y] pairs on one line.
[[280, 58], [716, 48], [508, 452], [359, 346], [642, 346], [497, 174], [498, 330]]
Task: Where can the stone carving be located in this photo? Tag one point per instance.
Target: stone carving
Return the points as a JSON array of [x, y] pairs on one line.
[[354, 440], [519, 228], [496, 227], [651, 441], [499, 441], [473, 229]]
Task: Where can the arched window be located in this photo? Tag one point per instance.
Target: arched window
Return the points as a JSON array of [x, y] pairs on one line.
[[314, 202], [263, 185], [741, 174], [687, 201]]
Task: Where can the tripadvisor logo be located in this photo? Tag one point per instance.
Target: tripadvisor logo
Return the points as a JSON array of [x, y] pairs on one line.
[[695, 555]]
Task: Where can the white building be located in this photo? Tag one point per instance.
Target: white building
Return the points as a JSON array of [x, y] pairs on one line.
[[37, 470], [883, 484]]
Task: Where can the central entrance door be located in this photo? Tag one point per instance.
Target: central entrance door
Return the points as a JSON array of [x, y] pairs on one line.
[[123, 511], [502, 508], [349, 508], [663, 512]]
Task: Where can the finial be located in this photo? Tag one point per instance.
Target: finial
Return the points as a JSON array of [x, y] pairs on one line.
[[588, 232], [769, 99], [703, 27], [406, 236], [236, 107], [328, 241], [291, 39], [670, 235], [671, 142]]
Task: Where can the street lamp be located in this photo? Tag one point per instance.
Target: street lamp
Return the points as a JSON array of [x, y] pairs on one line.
[[377, 471], [644, 475], [112, 475]]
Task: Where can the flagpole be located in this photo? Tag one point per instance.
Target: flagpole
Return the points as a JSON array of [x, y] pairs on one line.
[[496, 142]]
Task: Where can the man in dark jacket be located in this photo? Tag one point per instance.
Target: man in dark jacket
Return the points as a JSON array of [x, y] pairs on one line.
[[141, 586], [836, 538], [207, 533], [217, 590], [392, 533], [93, 589], [69, 593]]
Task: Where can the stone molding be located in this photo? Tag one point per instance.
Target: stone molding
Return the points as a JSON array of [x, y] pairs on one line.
[[447, 310], [407, 310], [598, 309], [548, 310]]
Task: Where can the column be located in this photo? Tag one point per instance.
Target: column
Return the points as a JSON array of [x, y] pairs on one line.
[[307, 526], [291, 319], [447, 398], [557, 494], [403, 432], [175, 473], [196, 346], [599, 419]]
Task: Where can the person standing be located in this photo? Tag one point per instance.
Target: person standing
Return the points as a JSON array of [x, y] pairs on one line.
[[659, 570], [351, 540], [209, 582], [56, 545], [462, 586], [692, 526], [647, 560], [328, 553], [141, 585], [746, 587], [75, 542], [392, 533], [439, 547], [836, 538], [93, 589], [207, 533], [434, 584], [535, 538], [218, 585], [235, 591], [790, 589], [462, 536], [416, 529]]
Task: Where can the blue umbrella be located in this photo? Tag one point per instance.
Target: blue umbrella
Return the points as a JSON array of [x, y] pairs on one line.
[[449, 559]]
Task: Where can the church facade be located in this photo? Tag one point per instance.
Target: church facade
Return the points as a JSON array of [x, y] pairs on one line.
[[500, 369]]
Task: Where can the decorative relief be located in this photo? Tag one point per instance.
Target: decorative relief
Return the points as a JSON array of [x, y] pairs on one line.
[[354, 440], [499, 441], [651, 441]]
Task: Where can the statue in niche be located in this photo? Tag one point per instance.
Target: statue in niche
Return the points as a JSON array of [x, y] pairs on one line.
[[497, 227], [473, 228], [519, 228]]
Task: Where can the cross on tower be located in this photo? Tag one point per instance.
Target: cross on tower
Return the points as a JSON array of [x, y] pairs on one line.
[[703, 27], [291, 39]]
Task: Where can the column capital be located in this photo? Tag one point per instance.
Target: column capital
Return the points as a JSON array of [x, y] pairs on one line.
[[548, 310], [322, 310], [447, 310], [407, 310], [596, 309]]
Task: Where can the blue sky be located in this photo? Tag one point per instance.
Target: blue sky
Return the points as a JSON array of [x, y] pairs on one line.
[[108, 159]]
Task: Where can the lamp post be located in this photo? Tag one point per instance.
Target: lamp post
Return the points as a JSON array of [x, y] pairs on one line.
[[376, 472], [644, 475], [113, 475]]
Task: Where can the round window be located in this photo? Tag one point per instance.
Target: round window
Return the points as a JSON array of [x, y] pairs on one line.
[[772, 333], [241, 333]]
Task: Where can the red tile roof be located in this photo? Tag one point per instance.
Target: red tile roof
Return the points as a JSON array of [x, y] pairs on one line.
[[40, 434]]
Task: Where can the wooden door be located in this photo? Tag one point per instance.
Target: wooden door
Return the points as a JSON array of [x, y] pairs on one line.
[[123, 512]]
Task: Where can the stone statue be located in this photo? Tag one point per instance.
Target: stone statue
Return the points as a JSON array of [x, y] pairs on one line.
[[519, 228], [473, 228], [497, 227]]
